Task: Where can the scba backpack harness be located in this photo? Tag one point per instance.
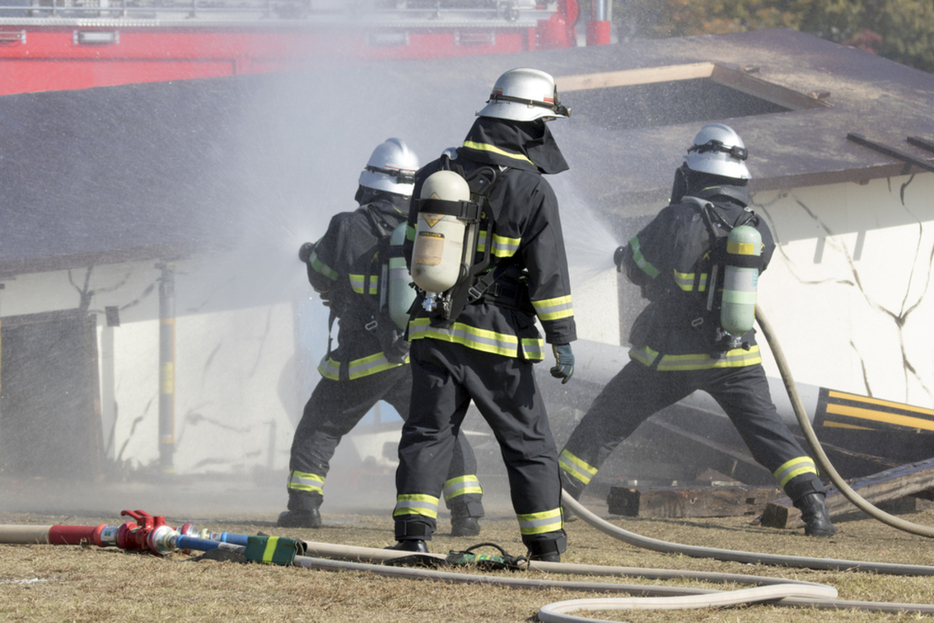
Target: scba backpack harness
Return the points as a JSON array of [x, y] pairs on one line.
[[736, 250], [453, 278]]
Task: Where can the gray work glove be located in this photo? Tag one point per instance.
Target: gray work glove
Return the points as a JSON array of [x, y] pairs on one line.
[[564, 362]]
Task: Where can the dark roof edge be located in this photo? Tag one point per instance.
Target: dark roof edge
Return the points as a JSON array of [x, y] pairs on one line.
[[171, 252]]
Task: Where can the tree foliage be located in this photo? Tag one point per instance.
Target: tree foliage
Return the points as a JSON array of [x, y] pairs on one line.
[[901, 30]]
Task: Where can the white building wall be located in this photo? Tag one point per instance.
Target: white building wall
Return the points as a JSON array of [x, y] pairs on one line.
[[236, 383], [847, 290]]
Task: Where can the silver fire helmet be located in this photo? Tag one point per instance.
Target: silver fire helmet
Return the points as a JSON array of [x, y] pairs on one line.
[[391, 168], [718, 150], [524, 95]]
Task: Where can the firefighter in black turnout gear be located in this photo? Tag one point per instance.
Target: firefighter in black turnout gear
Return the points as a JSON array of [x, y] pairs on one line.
[[481, 346], [370, 362], [678, 342]]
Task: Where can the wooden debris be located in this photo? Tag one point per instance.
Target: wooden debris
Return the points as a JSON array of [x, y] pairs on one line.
[[913, 479], [672, 502]]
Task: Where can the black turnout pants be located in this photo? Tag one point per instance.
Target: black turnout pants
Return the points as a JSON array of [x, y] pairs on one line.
[[637, 392], [446, 377], [335, 408]]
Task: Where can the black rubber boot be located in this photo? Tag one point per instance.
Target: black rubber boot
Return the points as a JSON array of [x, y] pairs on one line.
[[815, 515], [410, 545], [300, 519], [543, 551], [465, 525]]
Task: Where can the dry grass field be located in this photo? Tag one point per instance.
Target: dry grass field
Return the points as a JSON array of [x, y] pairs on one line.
[[55, 583]]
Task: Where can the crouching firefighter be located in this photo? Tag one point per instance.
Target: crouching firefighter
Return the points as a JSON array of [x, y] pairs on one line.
[[698, 264], [358, 270], [486, 249]]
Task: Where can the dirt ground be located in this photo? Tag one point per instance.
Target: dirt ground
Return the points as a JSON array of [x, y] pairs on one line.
[[89, 583]]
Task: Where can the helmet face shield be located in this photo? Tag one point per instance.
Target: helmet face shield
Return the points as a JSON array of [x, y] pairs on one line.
[[391, 168], [718, 150], [524, 95]]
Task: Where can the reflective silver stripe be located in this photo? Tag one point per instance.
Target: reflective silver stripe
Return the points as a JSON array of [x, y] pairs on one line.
[[357, 283], [358, 368], [461, 486], [737, 358], [793, 468], [505, 247], [539, 523], [554, 309], [304, 481], [481, 241], [329, 368], [369, 365], [534, 348], [416, 504], [644, 355], [575, 467], [458, 333]]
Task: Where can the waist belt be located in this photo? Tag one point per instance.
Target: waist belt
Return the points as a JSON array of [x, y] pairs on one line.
[[512, 296]]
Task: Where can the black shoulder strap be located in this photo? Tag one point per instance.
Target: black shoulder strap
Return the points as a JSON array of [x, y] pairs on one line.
[[479, 278]]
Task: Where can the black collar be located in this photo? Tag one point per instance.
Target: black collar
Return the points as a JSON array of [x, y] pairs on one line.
[[526, 145]]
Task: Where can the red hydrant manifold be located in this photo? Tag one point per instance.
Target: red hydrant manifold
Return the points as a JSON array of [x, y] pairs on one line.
[[145, 534]]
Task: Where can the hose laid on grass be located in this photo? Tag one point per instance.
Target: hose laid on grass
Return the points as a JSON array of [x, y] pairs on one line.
[[557, 612], [815, 446], [371, 555], [780, 592], [751, 558]]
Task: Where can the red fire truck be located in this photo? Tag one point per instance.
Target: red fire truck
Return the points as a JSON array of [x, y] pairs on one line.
[[76, 44]]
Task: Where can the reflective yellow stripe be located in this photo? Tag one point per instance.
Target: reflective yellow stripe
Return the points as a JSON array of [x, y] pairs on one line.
[[505, 247], [554, 309], [462, 485], [794, 468], [534, 348], [320, 267], [685, 281], [575, 467], [737, 358], [471, 337], [495, 150], [305, 481], [540, 523], [640, 260], [358, 368], [644, 355], [356, 283], [416, 504], [502, 246], [270, 549]]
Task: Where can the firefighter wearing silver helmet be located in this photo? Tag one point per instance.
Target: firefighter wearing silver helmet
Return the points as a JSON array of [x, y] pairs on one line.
[[678, 342], [350, 269], [477, 343]]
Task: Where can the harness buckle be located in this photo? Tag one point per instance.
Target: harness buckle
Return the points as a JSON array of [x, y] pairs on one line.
[[371, 325], [697, 322]]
